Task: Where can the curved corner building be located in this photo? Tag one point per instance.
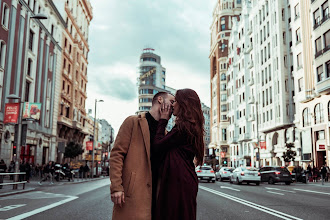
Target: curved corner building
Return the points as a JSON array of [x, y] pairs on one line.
[[151, 78]]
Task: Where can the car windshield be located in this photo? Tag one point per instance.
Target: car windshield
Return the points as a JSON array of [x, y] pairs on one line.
[[249, 169], [205, 168], [228, 169], [281, 169]]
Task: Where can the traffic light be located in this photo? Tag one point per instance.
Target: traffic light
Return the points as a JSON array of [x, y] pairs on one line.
[[225, 162], [14, 149]]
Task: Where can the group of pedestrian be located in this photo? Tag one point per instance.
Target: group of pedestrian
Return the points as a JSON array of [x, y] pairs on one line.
[[84, 171], [313, 174], [152, 171]]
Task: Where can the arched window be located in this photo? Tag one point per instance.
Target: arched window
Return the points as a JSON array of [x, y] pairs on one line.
[[318, 113], [306, 117], [5, 16], [2, 54]]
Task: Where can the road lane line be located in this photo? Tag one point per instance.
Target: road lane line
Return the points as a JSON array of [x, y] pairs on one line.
[[280, 189], [312, 191], [275, 193], [251, 204], [42, 209], [226, 187]]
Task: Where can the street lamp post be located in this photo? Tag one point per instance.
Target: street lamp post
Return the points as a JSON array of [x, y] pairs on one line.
[[94, 137], [22, 98]]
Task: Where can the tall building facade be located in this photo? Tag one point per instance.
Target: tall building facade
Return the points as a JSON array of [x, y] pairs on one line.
[[72, 88], [206, 114], [29, 57], [151, 80], [312, 79], [262, 91], [223, 14]]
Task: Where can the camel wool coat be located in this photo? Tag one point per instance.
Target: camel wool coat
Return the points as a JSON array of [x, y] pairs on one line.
[[130, 169]]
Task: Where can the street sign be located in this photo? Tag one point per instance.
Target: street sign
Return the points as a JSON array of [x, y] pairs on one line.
[[89, 145], [258, 156]]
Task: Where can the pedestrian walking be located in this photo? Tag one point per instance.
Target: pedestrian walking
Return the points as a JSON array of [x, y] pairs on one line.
[[133, 171], [86, 170], [328, 173], [3, 169], [323, 173], [11, 169], [47, 173], [177, 185], [28, 171], [22, 169], [81, 171]]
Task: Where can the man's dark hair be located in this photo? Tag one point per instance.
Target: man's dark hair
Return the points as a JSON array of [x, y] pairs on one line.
[[162, 94]]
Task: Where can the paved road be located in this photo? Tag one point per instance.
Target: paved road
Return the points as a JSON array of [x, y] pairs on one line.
[[91, 200]]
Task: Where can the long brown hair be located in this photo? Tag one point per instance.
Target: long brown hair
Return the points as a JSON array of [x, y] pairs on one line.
[[190, 120]]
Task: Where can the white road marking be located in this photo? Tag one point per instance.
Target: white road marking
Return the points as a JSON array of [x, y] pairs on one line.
[[42, 209], [226, 187], [251, 204], [312, 191], [280, 190], [275, 193], [10, 207]]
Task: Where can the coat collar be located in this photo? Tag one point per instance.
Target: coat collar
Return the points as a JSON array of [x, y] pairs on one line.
[[145, 133]]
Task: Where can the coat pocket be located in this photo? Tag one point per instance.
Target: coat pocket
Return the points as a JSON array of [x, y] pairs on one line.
[[131, 184]]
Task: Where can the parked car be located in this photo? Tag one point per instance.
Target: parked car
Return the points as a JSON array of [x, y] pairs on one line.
[[205, 173], [275, 174], [223, 173], [245, 174]]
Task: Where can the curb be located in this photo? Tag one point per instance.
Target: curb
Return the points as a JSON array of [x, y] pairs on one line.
[[16, 192], [32, 189]]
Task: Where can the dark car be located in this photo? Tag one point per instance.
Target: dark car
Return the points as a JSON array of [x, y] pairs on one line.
[[275, 174]]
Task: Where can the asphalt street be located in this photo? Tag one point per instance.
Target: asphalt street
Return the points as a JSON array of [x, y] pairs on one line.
[[220, 200]]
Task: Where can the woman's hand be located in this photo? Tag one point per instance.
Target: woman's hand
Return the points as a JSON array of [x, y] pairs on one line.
[[165, 111]]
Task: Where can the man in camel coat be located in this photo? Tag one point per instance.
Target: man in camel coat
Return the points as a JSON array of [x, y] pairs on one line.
[[130, 164]]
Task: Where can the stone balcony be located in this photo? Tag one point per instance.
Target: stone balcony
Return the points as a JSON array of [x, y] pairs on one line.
[[250, 81], [251, 100]]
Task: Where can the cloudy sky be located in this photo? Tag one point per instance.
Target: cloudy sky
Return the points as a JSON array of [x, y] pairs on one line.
[[178, 30]]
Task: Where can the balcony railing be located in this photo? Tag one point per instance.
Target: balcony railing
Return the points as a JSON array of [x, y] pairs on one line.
[[319, 53], [250, 64], [251, 100], [251, 82]]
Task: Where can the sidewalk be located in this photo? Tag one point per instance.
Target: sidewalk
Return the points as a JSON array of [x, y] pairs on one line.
[[34, 185]]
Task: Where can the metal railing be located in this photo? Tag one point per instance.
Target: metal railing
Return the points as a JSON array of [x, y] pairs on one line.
[[15, 184]]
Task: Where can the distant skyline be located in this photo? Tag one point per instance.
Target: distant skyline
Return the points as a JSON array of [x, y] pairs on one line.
[[179, 32]]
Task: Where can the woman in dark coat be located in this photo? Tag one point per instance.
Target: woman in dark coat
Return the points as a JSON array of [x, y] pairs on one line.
[[178, 183]]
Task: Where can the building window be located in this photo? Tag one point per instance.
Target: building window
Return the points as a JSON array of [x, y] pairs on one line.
[[306, 117], [326, 38], [319, 135], [300, 84], [298, 36], [296, 11], [299, 61], [67, 113], [327, 68], [223, 77], [317, 19], [318, 111], [223, 97], [223, 108], [2, 54], [27, 91], [224, 134], [29, 67], [223, 87], [223, 27], [325, 10], [320, 73], [318, 46], [31, 40], [5, 16]]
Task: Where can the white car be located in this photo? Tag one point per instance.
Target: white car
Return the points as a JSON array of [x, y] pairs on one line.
[[223, 173], [245, 174], [205, 173]]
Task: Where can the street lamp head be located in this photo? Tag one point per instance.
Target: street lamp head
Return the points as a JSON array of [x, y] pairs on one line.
[[100, 100], [13, 97], [39, 16]]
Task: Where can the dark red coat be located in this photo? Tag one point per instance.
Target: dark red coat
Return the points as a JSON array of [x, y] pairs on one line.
[[178, 183]]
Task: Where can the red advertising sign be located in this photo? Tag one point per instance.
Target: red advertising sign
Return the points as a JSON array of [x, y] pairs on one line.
[[11, 113], [223, 154], [322, 147], [89, 145], [262, 145]]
